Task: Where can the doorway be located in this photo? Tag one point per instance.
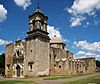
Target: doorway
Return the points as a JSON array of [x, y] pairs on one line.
[[18, 70]]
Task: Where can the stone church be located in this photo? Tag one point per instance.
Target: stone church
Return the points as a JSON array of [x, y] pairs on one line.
[[40, 55]]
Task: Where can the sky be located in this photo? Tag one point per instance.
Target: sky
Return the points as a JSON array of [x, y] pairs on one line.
[[77, 22]]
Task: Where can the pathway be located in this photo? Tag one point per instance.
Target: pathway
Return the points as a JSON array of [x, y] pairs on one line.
[[66, 80]]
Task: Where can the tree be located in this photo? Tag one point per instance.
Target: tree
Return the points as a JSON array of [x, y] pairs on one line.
[[97, 63], [2, 64]]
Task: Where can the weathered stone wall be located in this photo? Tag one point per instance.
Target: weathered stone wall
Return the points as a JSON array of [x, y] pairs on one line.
[[90, 65], [46, 60], [70, 65], [9, 60], [69, 55], [18, 58], [85, 65], [58, 61], [30, 58], [43, 52], [37, 53]]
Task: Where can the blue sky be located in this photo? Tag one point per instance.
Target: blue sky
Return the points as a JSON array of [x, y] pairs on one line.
[[76, 21]]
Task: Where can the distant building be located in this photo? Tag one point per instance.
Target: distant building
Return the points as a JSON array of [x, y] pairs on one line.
[[40, 55]]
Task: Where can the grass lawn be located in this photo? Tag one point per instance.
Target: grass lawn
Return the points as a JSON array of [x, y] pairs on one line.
[[16, 82], [91, 80], [64, 76]]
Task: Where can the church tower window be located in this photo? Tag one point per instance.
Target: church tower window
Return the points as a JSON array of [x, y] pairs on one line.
[[30, 65]]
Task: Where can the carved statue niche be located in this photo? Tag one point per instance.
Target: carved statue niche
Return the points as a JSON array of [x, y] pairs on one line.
[[38, 24], [31, 27], [18, 51], [31, 24]]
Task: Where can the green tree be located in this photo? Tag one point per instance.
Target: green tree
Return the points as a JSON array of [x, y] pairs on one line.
[[97, 63], [2, 64]]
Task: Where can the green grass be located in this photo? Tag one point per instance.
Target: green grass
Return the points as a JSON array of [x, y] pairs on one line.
[[64, 76], [16, 82], [91, 80]]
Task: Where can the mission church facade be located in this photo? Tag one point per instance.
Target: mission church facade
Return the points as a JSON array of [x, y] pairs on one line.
[[41, 55]]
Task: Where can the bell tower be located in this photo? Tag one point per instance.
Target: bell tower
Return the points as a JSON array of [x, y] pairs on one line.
[[38, 21], [37, 45]]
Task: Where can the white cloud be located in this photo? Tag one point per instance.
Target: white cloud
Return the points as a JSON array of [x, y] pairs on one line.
[[76, 21], [83, 54], [85, 45], [3, 13], [23, 3], [80, 53], [96, 22], [82, 7], [4, 42], [87, 49], [53, 31]]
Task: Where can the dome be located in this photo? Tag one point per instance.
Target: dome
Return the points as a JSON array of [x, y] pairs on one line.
[[56, 39]]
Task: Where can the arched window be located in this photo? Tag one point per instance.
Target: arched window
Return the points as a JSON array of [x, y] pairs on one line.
[[41, 25], [34, 25]]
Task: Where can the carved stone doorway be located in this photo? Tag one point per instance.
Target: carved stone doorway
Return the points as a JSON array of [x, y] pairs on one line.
[[18, 70]]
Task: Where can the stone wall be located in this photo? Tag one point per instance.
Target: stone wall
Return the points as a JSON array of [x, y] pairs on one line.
[[86, 65], [58, 61], [90, 64], [9, 60], [37, 56]]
